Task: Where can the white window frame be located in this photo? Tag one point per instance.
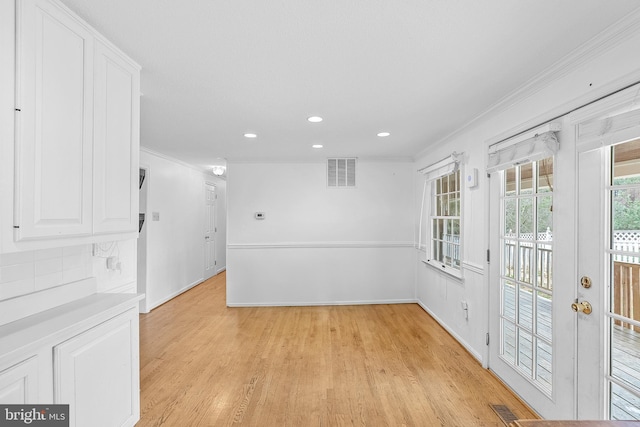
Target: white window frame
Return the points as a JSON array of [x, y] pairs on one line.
[[434, 174]]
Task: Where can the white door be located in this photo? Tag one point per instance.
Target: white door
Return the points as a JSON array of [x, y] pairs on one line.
[[209, 231], [608, 344], [531, 240]]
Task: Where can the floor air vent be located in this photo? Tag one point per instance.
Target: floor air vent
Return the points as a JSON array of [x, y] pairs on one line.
[[504, 413], [341, 172]]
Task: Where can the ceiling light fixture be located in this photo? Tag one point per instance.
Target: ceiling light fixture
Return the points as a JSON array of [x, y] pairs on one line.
[[317, 146], [218, 170], [250, 135], [383, 134], [314, 119]]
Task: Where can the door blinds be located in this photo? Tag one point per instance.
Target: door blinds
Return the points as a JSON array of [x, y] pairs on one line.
[[609, 121], [534, 145]]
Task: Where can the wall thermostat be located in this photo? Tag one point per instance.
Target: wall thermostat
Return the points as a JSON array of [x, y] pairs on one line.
[[259, 215], [472, 178]]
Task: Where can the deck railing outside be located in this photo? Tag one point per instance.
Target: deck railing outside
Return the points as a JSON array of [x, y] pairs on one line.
[[626, 274]]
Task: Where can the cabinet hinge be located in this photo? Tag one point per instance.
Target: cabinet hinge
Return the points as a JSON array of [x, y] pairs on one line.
[[215, 230], [488, 256], [487, 338], [215, 262]]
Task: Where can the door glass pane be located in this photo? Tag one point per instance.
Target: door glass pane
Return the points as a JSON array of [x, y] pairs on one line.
[[545, 175], [525, 308], [626, 163], [624, 404], [545, 217], [527, 271], [525, 352], [509, 341], [525, 257], [508, 263], [545, 267], [510, 182], [509, 300], [543, 315], [543, 364], [526, 218], [624, 297], [510, 214], [526, 178]]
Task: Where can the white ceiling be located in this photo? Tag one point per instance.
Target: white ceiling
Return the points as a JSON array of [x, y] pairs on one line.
[[420, 69]]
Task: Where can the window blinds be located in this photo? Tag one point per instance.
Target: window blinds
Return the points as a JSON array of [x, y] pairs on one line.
[[444, 167], [533, 145]]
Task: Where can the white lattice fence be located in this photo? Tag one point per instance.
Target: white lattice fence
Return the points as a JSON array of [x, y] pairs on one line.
[[626, 241]]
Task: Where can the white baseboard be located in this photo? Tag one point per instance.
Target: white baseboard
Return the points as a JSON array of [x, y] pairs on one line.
[[158, 303], [321, 303], [452, 333], [220, 270]]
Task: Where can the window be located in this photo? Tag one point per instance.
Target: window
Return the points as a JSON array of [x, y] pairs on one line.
[[442, 221], [444, 251]]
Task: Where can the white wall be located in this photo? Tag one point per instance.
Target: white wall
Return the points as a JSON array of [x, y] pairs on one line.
[[175, 243], [603, 66], [319, 245]]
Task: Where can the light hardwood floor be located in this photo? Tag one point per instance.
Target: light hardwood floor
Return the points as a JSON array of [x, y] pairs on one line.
[[204, 364]]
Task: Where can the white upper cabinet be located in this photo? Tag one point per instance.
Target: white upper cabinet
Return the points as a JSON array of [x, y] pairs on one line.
[[116, 142], [77, 129], [54, 124]]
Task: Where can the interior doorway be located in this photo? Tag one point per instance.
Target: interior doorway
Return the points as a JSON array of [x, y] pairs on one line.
[[210, 229]]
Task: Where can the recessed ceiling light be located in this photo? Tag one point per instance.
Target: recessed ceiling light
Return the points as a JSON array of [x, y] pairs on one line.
[[383, 134], [314, 119], [317, 145], [250, 135]]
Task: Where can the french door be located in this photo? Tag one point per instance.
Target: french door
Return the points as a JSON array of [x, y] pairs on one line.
[[531, 345], [608, 293], [588, 365]]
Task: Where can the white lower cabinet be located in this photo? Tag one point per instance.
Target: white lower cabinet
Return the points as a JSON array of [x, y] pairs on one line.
[[84, 353], [19, 383], [98, 369]]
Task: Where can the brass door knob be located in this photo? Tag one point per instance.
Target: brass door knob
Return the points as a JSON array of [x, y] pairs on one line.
[[583, 307]]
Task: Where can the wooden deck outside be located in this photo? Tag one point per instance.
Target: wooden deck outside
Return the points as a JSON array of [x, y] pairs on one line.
[[625, 352]]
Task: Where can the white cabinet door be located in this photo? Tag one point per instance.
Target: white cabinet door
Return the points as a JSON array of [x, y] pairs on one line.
[[100, 369], [116, 142], [19, 383], [54, 124]]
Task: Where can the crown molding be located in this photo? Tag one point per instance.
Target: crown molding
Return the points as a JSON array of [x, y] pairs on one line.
[[624, 29], [298, 160], [205, 171]]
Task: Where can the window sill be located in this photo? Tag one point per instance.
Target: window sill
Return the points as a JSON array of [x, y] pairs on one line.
[[454, 273]]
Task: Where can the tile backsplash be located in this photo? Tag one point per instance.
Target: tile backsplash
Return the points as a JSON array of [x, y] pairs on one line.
[[22, 273]]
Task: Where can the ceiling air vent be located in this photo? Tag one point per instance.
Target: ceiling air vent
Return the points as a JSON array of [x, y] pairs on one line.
[[341, 172]]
